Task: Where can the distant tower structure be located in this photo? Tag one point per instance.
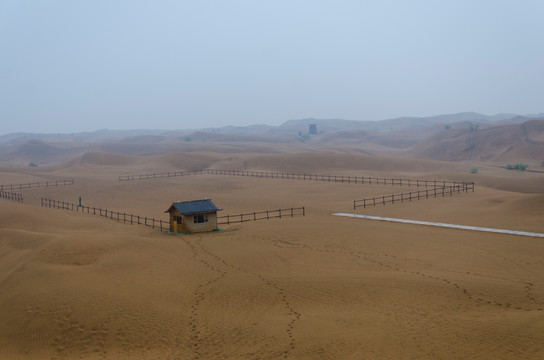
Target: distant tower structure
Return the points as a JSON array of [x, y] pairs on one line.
[[313, 129]]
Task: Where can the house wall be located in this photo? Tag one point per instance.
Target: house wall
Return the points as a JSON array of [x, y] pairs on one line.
[[189, 225]]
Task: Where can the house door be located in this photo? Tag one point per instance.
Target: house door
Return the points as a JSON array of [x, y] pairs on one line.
[[176, 225]]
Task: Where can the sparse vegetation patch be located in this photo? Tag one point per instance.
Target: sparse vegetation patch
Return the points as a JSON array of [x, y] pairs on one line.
[[517, 166]]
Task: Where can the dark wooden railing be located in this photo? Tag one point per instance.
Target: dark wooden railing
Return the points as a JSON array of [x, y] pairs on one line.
[[110, 214], [261, 215], [38, 184], [413, 195], [11, 196], [294, 176]]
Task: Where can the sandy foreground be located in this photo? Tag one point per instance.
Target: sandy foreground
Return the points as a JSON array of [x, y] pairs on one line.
[[78, 286]]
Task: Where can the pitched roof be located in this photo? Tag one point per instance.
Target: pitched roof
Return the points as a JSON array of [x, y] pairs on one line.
[[194, 207]]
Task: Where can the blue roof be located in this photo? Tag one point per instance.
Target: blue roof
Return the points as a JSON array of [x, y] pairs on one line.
[[194, 207]]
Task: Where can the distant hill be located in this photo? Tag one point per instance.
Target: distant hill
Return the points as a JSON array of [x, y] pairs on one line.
[[506, 142], [38, 151], [444, 137], [397, 123]]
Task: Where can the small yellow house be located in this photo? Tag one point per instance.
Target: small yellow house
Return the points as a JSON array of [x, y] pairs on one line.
[[193, 216]]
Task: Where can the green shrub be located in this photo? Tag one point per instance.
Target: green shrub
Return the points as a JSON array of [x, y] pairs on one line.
[[474, 170], [517, 166], [33, 164]]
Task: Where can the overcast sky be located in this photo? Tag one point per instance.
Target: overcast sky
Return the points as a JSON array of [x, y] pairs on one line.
[[68, 66]]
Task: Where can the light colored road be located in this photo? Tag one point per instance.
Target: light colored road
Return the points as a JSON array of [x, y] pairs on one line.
[[454, 226]]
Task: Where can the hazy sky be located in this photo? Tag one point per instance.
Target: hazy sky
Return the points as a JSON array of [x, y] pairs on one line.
[[70, 65]]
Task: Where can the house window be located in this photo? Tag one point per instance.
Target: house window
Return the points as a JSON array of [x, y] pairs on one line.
[[200, 219], [177, 219]]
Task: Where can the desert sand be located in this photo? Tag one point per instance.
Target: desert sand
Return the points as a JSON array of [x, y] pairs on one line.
[[78, 286]]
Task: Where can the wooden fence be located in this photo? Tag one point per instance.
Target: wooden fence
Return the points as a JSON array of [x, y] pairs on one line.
[[114, 215], [294, 176], [37, 184], [413, 195], [160, 175], [11, 196], [261, 215]]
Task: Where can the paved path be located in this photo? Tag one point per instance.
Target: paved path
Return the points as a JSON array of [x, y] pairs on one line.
[[464, 227]]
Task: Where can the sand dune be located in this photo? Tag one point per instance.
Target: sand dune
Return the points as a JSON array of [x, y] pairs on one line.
[[505, 143], [74, 285], [517, 142]]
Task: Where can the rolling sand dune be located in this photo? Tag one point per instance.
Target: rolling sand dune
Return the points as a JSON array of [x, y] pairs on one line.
[[504, 143], [74, 285], [518, 141], [39, 151]]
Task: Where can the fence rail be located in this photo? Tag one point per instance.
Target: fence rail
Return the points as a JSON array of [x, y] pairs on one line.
[[414, 195], [261, 215], [11, 196], [114, 215], [161, 175], [37, 184], [296, 176]]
